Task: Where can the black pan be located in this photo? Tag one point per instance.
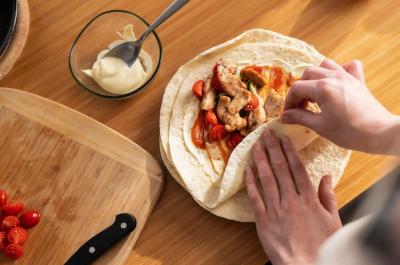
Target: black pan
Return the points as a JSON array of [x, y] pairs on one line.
[[8, 19]]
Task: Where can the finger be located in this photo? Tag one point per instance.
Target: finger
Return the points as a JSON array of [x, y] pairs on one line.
[[314, 72], [355, 68], [302, 90], [302, 117], [326, 195], [254, 195], [279, 165], [267, 178], [331, 65], [299, 172]]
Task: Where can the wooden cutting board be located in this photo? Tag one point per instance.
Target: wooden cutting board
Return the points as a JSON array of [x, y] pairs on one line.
[[77, 172]]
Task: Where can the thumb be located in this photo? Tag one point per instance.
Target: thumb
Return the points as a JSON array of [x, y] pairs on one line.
[[326, 195], [302, 117]]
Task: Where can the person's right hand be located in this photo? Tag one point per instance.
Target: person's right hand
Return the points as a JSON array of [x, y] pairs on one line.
[[350, 115]]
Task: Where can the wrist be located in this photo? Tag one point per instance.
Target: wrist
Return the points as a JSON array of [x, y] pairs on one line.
[[386, 139]]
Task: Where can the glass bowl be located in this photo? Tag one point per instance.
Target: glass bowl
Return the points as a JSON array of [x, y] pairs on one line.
[[97, 35]]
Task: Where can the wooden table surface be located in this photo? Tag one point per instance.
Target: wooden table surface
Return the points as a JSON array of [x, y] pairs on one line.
[[179, 231]]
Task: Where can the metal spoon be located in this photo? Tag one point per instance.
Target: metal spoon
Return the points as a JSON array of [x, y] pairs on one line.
[[129, 51]]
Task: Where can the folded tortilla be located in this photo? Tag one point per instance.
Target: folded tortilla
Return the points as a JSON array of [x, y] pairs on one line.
[[222, 193]]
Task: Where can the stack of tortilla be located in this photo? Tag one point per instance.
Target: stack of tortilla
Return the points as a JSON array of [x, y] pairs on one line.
[[223, 192]]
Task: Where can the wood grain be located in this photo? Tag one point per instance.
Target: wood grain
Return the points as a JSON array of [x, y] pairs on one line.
[[60, 162], [179, 231], [20, 36]]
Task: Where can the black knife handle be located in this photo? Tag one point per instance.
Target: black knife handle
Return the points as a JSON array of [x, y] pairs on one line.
[[123, 225]]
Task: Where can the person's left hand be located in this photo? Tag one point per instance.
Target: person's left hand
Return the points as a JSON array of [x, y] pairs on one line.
[[292, 220]]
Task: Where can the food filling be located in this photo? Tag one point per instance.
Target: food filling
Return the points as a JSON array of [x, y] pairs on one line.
[[234, 102]]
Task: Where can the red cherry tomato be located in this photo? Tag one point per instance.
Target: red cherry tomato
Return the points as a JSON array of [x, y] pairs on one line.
[[13, 251], [29, 219], [2, 240], [217, 132], [277, 78], [3, 197], [13, 208], [198, 88], [9, 222], [253, 104], [198, 131], [211, 117], [234, 139], [215, 84], [17, 235]]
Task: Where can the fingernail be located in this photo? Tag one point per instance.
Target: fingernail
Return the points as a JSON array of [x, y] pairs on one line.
[[283, 118], [256, 146], [329, 181], [285, 140], [247, 173], [267, 132]]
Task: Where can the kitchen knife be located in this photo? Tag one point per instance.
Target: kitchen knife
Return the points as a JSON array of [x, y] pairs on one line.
[[123, 225]]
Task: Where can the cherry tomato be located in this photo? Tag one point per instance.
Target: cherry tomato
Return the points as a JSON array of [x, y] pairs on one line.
[[215, 84], [9, 222], [253, 104], [17, 235], [198, 131], [198, 87], [2, 240], [3, 197], [234, 139], [13, 208], [13, 251], [277, 78], [216, 133], [29, 219], [211, 117]]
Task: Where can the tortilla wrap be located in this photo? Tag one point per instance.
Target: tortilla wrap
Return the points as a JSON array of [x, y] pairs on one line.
[[223, 194]]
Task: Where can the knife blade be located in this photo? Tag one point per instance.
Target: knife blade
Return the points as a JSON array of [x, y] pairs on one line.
[[123, 225]]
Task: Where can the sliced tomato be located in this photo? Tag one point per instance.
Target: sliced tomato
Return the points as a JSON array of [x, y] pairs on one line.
[[12, 208], [3, 197], [29, 219], [17, 235], [211, 117], [253, 104], [198, 131], [9, 222], [215, 84], [277, 78], [13, 251], [198, 87], [2, 240], [234, 139], [216, 133]]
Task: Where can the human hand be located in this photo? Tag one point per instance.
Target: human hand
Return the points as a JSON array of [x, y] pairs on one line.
[[292, 220], [350, 115]]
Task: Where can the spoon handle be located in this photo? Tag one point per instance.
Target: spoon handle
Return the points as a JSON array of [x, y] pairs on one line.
[[175, 6]]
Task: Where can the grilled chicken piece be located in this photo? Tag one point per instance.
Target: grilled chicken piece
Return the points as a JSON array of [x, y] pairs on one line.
[[232, 121], [257, 118], [230, 83], [274, 104], [239, 101], [208, 101], [254, 77]]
